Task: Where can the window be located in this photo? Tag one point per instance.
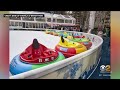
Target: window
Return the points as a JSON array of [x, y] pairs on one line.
[[34, 25], [68, 21], [40, 19], [26, 25], [28, 18], [41, 25], [11, 23], [48, 19], [20, 23], [60, 20], [30, 25], [37, 25], [23, 24], [15, 18], [16, 24], [53, 19]]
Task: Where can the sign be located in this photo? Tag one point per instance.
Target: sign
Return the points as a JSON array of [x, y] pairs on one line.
[[63, 49], [105, 68]]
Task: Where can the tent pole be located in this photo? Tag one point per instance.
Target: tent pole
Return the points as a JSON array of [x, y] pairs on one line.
[[91, 21]]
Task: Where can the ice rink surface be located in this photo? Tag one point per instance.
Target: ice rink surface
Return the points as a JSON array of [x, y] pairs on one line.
[[20, 40]]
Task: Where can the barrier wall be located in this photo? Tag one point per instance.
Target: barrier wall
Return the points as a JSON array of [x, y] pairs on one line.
[[70, 68]]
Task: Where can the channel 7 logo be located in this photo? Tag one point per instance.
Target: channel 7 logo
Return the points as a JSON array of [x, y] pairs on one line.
[[105, 68]]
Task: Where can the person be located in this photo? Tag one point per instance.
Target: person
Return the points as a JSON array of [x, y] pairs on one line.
[[61, 28], [81, 30], [108, 32], [100, 31]]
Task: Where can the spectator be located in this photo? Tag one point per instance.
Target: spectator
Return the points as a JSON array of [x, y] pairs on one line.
[[61, 28], [81, 30], [108, 32]]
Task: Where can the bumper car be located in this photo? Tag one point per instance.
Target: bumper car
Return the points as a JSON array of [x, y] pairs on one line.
[[55, 33], [69, 37], [69, 48], [76, 35], [35, 56], [60, 34], [47, 31], [64, 34], [51, 32], [86, 42]]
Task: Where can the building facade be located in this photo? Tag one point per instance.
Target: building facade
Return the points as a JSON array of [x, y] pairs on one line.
[[102, 19], [82, 18]]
